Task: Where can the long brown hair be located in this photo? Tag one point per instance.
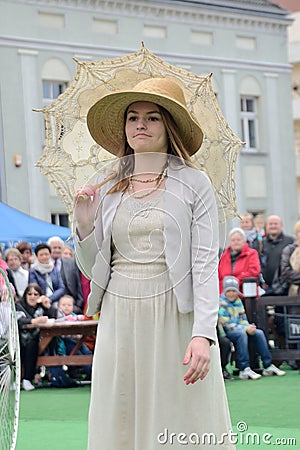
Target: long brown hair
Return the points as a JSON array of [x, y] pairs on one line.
[[126, 166], [30, 286]]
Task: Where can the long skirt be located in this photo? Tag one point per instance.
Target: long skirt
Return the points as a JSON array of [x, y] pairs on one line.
[[139, 400]]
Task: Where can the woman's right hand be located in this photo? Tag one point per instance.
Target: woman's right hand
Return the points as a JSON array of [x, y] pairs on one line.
[[38, 320], [86, 203]]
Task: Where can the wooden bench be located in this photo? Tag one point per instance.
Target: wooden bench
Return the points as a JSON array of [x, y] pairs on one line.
[[48, 331], [287, 346]]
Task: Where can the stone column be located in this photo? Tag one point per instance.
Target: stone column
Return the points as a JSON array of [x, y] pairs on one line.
[[32, 124], [272, 130]]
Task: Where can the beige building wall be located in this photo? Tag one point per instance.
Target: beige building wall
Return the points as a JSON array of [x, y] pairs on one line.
[[245, 47]]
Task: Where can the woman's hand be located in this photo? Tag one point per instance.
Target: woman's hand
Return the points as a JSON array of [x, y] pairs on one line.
[[198, 354], [45, 301], [38, 320], [86, 203]]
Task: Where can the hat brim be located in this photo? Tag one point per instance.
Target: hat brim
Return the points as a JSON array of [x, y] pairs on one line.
[[105, 120]]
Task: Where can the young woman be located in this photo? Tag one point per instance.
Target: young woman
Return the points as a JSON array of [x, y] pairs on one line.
[[148, 240], [34, 308], [46, 275]]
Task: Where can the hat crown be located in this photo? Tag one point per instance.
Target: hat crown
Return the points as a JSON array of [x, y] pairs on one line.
[[162, 87], [230, 282]]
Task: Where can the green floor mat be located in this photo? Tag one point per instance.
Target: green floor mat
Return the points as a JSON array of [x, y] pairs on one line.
[[261, 412]]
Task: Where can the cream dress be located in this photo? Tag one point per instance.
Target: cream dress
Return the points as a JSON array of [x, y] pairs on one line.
[[139, 397]]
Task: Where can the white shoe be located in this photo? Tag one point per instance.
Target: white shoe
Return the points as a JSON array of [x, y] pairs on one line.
[[248, 373], [273, 370], [27, 386]]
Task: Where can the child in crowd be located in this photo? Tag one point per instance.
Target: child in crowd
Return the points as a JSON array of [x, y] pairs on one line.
[[67, 343], [237, 328], [65, 309]]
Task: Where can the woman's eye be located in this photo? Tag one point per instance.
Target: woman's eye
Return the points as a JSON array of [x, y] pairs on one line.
[[131, 119]]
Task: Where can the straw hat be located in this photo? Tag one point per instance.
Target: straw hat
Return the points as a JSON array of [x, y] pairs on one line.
[[105, 119]]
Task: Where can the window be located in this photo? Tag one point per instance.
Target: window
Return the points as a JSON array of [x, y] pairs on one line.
[[60, 219], [249, 123], [52, 89]]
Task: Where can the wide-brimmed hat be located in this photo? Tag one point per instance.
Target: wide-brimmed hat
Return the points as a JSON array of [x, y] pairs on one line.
[[105, 119]]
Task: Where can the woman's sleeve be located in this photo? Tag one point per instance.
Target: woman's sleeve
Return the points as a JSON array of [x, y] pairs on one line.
[[87, 249], [224, 268], [58, 285], [50, 312], [253, 265], [287, 273], [85, 253], [32, 278], [204, 263], [22, 318]]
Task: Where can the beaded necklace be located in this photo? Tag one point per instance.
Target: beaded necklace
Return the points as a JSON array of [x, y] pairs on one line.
[[160, 178]]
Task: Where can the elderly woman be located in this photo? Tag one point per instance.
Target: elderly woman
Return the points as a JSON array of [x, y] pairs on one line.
[[16, 274], [238, 259]]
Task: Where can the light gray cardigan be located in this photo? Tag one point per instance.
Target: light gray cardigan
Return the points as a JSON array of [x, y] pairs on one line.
[[191, 246]]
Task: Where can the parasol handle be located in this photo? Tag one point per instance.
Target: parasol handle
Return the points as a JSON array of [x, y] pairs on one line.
[[97, 186]]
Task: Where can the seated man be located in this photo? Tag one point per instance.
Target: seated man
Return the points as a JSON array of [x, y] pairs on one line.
[[69, 272], [237, 328]]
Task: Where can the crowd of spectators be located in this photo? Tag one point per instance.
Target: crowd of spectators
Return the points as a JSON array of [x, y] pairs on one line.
[[48, 284], [44, 282], [258, 250]]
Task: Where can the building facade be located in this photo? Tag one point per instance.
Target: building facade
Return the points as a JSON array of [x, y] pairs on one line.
[[244, 43]]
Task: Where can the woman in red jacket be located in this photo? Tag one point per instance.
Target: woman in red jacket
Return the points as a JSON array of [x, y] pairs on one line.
[[238, 259]]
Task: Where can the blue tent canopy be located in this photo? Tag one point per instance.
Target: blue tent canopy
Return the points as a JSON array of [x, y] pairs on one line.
[[16, 226]]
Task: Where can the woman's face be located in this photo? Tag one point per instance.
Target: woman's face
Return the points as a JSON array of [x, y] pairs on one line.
[[236, 242], [144, 128], [259, 223], [67, 253], [43, 256], [246, 223], [13, 262], [26, 255], [32, 297]]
